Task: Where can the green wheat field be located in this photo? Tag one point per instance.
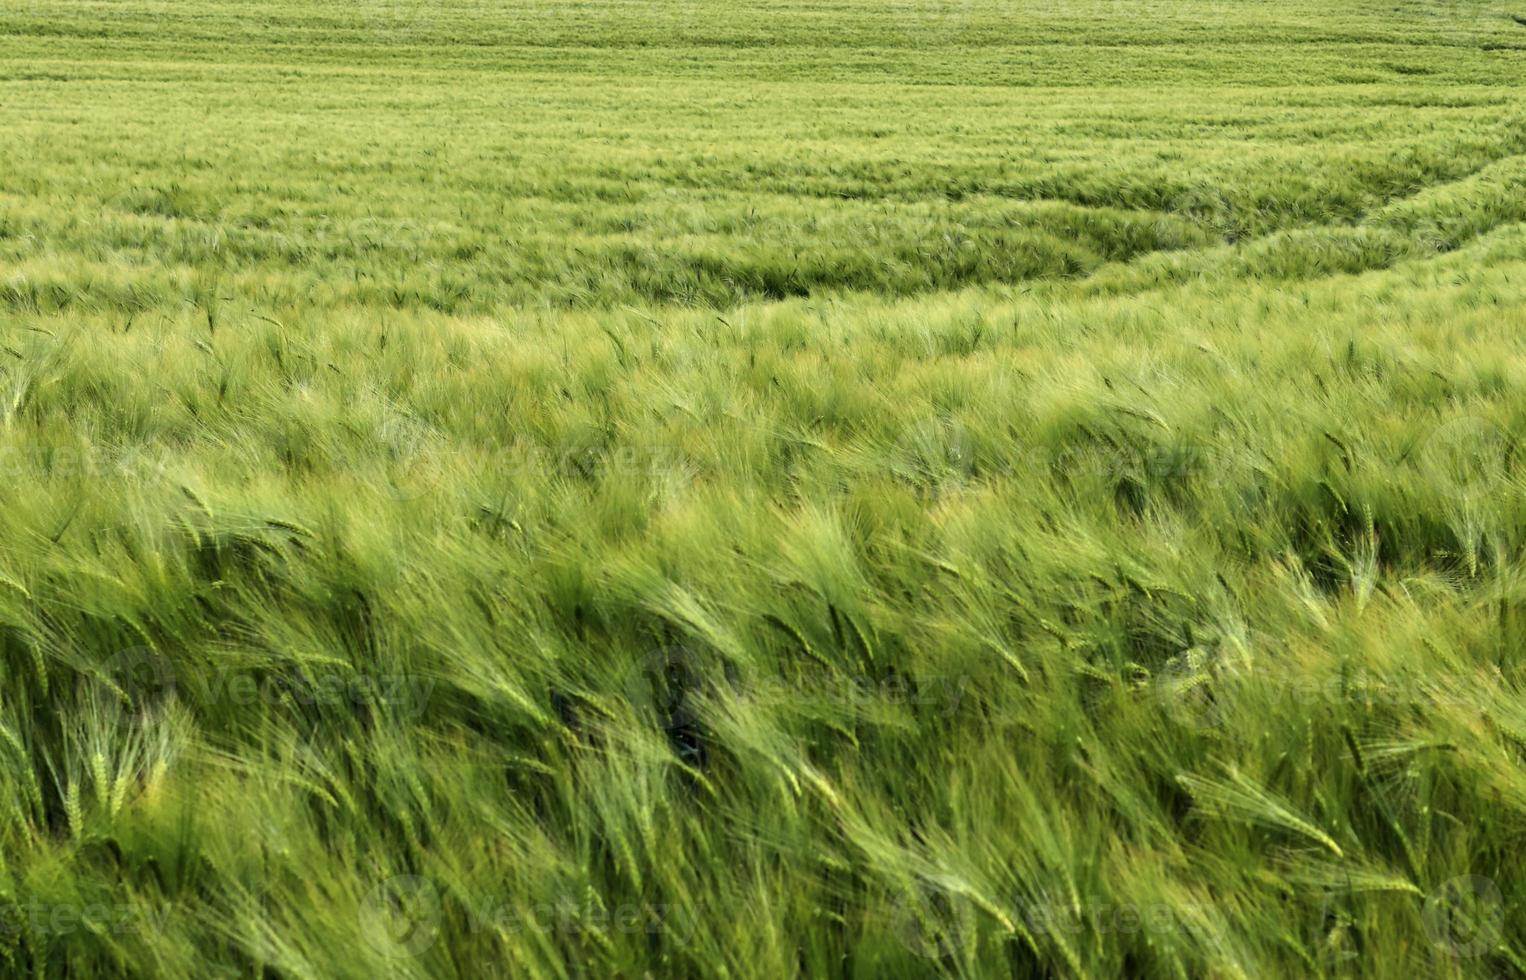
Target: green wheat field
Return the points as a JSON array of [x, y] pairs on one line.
[[749, 488]]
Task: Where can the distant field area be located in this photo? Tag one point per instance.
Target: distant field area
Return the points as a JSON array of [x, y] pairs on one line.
[[696, 489], [461, 157]]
